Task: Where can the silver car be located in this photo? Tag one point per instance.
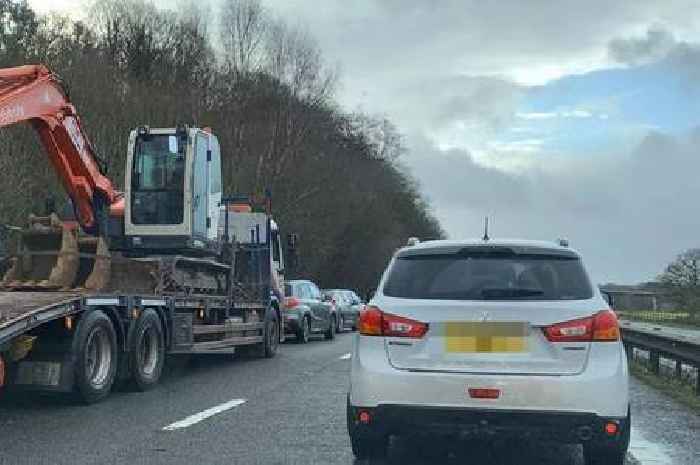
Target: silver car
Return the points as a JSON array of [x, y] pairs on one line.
[[348, 305], [489, 338]]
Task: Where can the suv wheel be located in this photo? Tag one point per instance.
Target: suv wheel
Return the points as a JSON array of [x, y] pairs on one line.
[[365, 445], [603, 455], [613, 454]]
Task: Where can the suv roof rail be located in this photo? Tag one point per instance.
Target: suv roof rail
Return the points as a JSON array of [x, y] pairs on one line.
[[412, 241], [563, 242]]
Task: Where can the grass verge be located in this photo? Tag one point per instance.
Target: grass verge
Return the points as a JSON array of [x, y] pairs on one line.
[[676, 389]]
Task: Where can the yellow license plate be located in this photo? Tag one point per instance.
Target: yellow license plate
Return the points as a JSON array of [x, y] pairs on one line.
[[486, 337]]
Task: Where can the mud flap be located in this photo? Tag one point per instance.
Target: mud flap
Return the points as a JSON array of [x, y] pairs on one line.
[[47, 373]]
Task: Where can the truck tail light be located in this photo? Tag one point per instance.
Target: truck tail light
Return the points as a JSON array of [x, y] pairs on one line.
[[291, 302], [374, 322], [601, 327], [481, 393]]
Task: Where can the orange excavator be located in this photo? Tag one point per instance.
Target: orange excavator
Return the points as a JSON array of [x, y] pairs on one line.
[[33, 94], [167, 266], [167, 231]]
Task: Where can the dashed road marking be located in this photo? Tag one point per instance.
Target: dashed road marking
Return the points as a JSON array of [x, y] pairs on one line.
[[204, 414], [347, 356], [646, 452]]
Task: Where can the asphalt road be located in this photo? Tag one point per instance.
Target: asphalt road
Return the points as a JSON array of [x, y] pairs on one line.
[[288, 410]]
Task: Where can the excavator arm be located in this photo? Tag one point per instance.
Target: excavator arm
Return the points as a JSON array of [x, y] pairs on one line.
[[33, 94]]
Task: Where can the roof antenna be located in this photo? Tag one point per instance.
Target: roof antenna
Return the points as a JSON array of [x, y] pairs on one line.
[[486, 229]]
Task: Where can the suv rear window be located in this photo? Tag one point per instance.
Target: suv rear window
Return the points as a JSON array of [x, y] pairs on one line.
[[480, 276]]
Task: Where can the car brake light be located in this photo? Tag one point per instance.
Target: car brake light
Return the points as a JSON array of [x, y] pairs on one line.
[[606, 326], [291, 302], [370, 323], [600, 327], [374, 322]]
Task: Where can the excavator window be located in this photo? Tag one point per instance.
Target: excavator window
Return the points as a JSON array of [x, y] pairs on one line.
[[158, 180]]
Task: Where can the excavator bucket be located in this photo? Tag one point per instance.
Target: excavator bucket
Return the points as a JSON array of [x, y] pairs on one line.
[[53, 255]]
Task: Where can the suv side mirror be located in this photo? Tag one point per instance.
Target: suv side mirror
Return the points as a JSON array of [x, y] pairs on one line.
[[326, 298], [608, 298]]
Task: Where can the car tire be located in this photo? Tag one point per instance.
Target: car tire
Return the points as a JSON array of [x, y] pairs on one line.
[[330, 332], [95, 348], [304, 330], [341, 324], [603, 455], [147, 351], [613, 454], [365, 445]]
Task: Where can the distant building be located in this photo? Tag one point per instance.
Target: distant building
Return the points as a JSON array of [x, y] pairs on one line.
[[626, 298]]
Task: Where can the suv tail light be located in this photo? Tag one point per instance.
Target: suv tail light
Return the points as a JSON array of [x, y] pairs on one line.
[[601, 327], [291, 302], [374, 322]]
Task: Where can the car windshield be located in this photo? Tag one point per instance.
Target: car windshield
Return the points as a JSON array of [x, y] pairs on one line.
[[481, 277]]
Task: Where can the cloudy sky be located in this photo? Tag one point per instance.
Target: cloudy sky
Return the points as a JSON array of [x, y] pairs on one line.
[[559, 118]]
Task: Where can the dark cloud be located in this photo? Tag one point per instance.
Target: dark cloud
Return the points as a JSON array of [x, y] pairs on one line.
[[656, 44], [659, 46], [628, 215]]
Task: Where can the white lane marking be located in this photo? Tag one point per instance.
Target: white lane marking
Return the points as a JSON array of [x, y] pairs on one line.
[[347, 356], [646, 452], [204, 414]]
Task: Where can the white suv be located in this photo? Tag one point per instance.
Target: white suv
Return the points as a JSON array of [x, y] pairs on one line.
[[475, 338]]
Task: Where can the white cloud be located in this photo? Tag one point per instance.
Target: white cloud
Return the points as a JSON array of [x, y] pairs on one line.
[[554, 114], [537, 115]]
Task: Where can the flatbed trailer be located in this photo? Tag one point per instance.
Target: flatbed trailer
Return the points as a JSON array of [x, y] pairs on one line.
[[85, 342], [49, 343]]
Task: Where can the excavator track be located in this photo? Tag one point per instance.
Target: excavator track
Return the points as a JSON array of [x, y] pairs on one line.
[[56, 256]]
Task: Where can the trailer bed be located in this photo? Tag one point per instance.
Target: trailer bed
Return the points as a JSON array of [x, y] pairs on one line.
[[20, 311]]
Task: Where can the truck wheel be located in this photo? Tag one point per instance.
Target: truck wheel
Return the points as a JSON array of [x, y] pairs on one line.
[[330, 332], [95, 349], [304, 330], [147, 351], [271, 337], [272, 333]]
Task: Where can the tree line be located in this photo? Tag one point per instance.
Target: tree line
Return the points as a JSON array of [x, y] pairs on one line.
[[264, 88]]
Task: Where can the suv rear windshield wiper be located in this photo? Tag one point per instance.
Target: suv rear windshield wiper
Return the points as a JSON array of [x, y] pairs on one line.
[[509, 292]]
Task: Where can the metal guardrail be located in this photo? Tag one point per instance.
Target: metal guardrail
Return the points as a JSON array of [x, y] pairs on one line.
[[682, 352]]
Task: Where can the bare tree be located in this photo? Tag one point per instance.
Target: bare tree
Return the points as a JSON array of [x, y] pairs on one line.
[[295, 58], [242, 30]]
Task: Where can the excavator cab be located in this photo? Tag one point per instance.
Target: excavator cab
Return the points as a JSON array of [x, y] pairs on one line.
[[173, 191]]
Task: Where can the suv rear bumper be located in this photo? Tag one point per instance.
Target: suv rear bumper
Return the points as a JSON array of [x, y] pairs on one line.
[[602, 389], [465, 423]]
